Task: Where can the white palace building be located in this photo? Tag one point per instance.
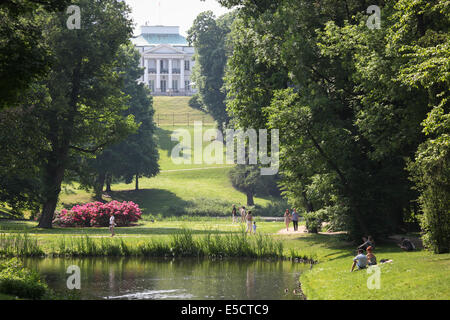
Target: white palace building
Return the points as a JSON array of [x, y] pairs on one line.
[[167, 59]]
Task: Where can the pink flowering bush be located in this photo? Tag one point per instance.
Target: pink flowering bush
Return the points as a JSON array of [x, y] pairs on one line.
[[97, 214]]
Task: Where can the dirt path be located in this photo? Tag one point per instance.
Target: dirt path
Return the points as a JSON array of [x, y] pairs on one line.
[[301, 229]]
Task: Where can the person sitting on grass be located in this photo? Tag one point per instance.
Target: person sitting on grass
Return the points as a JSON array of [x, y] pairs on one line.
[[360, 260], [372, 260], [407, 245]]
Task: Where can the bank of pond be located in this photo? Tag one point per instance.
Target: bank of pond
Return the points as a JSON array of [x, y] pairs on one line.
[[180, 244], [184, 266]]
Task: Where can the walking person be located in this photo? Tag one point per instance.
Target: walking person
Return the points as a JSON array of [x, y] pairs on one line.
[[249, 219], [295, 219], [243, 214], [254, 226], [233, 213], [112, 224], [287, 219]]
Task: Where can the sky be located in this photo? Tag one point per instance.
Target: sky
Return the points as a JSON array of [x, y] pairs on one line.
[[180, 13]]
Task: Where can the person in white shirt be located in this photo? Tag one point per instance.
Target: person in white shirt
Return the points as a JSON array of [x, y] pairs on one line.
[[112, 224], [360, 260]]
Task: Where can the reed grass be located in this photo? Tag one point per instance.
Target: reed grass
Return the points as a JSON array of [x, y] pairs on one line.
[[181, 244], [19, 244]]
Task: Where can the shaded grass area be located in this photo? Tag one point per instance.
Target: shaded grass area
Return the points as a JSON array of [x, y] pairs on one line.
[[6, 297]]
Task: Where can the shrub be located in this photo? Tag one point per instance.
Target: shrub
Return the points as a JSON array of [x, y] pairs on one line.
[[313, 222], [18, 281], [97, 214]]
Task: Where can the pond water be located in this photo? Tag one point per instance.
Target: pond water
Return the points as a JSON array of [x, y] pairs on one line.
[[137, 278]]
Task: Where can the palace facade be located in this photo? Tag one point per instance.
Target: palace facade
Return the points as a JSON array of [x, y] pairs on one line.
[[167, 59]]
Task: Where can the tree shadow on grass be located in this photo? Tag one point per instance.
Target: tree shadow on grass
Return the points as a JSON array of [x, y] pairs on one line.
[[152, 201], [164, 141]]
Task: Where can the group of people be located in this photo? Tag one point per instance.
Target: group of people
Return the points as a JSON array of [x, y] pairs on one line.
[[362, 260], [288, 217], [244, 217]]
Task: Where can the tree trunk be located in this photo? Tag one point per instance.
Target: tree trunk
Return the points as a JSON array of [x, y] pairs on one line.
[[54, 176], [108, 182], [250, 201], [57, 158], [137, 182], [98, 188]]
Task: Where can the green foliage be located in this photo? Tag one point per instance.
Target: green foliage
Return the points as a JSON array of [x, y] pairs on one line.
[[18, 281], [24, 54], [348, 101], [421, 37], [82, 111], [181, 243], [248, 179], [19, 245], [209, 34], [136, 155], [195, 102]]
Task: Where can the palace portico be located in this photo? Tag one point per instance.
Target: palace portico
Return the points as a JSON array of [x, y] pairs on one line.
[[167, 59]]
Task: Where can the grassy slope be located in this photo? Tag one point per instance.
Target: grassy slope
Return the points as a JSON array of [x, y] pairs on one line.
[[169, 110], [175, 189]]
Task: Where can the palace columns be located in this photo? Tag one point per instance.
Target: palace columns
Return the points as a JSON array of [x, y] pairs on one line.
[[146, 71], [182, 75], [170, 75]]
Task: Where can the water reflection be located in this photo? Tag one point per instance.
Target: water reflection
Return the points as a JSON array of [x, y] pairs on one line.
[[135, 278]]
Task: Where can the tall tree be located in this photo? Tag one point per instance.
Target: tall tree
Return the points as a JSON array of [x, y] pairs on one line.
[[137, 155], [85, 112], [421, 37], [209, 37], [346, 121]]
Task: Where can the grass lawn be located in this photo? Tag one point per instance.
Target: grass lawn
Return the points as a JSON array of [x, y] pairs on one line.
[[176, 110], [411, 275], [6, 297]]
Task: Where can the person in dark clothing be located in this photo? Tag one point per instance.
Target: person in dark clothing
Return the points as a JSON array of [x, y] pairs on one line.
[[295, 219], [407, 245], [233, 213], [367, 242]]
